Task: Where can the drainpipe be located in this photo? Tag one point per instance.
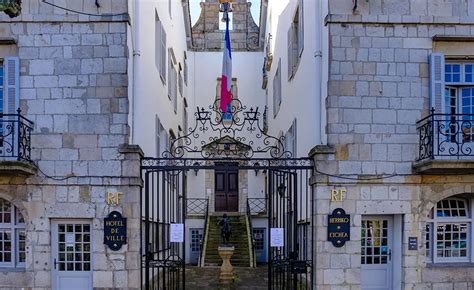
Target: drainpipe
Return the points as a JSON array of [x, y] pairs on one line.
[[136, 65], [318, 54]]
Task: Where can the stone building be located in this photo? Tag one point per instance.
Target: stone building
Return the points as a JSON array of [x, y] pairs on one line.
[[65, 67], [407, 169], [207, 31]]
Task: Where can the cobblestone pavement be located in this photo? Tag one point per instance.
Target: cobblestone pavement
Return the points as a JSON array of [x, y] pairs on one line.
[[244, 278]]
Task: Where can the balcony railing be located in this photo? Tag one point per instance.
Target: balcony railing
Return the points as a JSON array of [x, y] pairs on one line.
[[257, 206], [446, 137], [197, 206], [15, 137]]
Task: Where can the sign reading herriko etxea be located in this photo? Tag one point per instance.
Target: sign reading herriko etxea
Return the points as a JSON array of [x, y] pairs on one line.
[[115, 231], [339, 227]]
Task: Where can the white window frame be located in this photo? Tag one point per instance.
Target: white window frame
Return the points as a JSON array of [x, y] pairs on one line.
[[15, 227], [462, 80], [433, 223]]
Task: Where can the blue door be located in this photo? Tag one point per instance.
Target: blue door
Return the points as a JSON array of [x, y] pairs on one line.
[[195, 245], [259, 235]]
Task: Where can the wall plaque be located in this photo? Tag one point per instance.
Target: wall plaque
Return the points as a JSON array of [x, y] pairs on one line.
[[115, 231], [339, 227], [412, 243]]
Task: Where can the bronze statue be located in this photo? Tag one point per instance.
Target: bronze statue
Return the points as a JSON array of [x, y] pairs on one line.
[[224, 223]]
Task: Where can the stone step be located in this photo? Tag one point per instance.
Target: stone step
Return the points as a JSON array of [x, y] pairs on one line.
[[239, 239]]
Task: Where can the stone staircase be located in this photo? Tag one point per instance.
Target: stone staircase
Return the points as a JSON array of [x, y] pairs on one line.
[[239, 240]]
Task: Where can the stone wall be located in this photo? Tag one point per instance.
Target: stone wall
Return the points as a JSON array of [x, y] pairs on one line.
[[244, 36], [73, 86], [378, 88]]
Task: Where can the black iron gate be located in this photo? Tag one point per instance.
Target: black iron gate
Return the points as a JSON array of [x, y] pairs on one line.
[[219, 138], [162, 206], [289, 212], [290, 218]]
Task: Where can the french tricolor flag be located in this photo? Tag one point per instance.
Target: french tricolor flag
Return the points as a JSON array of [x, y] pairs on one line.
[[226, 81]]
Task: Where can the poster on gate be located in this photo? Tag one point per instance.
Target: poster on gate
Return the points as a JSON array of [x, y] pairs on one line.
[[277, 237], [176, 233]]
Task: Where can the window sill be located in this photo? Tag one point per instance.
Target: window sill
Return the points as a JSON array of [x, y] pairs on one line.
[[3, 270], [450, 265]]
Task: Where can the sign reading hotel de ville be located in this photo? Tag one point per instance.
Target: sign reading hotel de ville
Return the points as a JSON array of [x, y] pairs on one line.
[[339, 227], [115, 231]]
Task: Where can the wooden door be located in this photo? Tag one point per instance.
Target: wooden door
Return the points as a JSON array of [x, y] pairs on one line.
[[226, 188]]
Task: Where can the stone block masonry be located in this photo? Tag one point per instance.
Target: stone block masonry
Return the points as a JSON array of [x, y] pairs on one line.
[[73, 86], [378, 88]]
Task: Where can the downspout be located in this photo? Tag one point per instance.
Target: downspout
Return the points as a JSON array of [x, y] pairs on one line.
[[136, 65], [318, 54]]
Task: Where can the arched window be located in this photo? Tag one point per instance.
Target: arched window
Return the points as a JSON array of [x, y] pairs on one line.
[[448, 232], [12, 236]]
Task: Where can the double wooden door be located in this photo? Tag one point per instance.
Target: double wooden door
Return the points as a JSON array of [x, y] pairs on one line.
[[226, 187]]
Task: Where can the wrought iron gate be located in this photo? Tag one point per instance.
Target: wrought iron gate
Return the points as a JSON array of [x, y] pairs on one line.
[[290, 210], [162, 205], [215, 140]]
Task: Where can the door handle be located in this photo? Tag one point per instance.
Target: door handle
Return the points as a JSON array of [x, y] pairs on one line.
[[55, 263], [390, 254]]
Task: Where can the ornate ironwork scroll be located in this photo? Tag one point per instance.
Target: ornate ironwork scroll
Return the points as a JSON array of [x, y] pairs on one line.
[[446, 136], [237, 134]]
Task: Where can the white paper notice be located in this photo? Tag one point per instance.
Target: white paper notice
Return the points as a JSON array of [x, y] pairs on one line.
[[276, 237], [176, 233]]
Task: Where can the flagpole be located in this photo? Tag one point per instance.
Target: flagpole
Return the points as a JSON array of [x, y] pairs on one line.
[[226, 79]]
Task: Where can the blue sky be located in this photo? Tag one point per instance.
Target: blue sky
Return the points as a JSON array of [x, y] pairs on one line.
[[196, 9]]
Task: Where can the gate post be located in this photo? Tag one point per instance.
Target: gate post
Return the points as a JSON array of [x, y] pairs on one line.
[[131, 184]]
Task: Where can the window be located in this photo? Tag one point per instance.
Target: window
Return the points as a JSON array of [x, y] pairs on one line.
[[452, 94], [180, 81], [295, 40], [458, 73], [160, 49], [173, 82], [185, 69], [185, 117], [448, 232], [12, 236], [277, 89], [161, 138], [290, 139]]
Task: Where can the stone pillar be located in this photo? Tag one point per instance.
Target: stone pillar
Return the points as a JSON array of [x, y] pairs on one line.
[[131, 209]]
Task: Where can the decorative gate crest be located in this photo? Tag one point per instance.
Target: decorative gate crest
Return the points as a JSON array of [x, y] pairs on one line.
[[238, 134]]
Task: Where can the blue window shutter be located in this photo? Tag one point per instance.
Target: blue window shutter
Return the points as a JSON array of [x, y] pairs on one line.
[[437, 82], [11, 97]]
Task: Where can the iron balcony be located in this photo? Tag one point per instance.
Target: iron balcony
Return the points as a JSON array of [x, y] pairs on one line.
[[446, 143]]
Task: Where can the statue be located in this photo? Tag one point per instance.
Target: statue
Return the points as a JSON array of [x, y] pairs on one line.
[[224, 223]]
